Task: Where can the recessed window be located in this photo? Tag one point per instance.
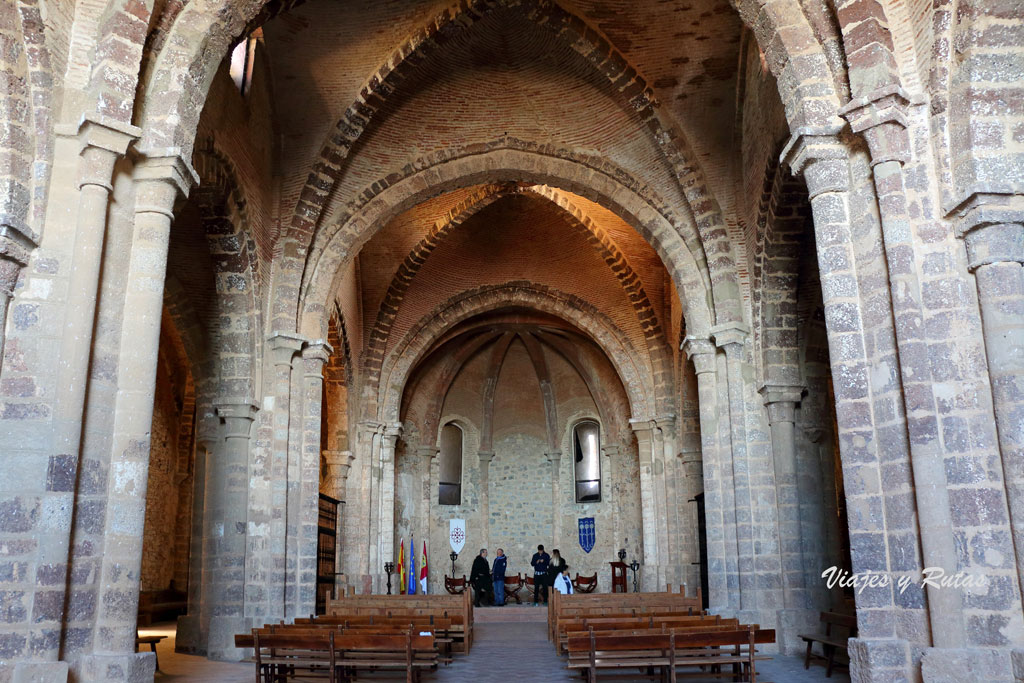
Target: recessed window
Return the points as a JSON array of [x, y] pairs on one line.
[[450, 475], [242, 58], [586, 446]]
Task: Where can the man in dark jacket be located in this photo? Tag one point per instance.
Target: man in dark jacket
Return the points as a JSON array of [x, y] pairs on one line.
[[498, 577], [540, 573], [480, 577]]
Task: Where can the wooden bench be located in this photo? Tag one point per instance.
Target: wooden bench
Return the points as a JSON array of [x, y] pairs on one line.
[[152, 642], [513, 584], [281, 651], [831, 643], [647, 623], [585, 584], [720, 653], [410, 605], [588, 602], [444, 630]]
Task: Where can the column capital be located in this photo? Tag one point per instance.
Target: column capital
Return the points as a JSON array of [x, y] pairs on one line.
[[781, 393], [427, 452], [992, 227], [701, 352], [820, 156], [102, 140], [815, 433], [338, 458], [729, 334], [553, 456], [881, 117], [690, 454], [369, 427], [316, 354], [665, 422], [611, 451], [486, 457], [392, 430], [161, 176], [283, 346], [237, 416]]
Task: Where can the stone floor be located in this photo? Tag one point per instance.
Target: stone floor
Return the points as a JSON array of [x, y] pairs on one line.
[[511, 645]]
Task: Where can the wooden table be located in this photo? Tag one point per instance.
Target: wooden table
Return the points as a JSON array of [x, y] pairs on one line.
[[151, 641]]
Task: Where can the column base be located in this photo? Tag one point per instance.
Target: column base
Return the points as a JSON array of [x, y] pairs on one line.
[[941, 665], [40, 672], [879, 661], [789, 624], [221, 644], [135, 667], [190, 639]]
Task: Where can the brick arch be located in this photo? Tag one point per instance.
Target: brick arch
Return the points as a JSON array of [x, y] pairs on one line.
[[636, 377], [224, 219], [783, 214], [627, 85], [628, 279], [507, 160]]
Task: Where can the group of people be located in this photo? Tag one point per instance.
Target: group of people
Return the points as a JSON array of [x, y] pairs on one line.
[[488, 581]]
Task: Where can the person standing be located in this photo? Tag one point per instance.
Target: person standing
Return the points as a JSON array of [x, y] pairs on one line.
[[556, 566], [563, 584], [540, 562], [480, 578], [498, 576]]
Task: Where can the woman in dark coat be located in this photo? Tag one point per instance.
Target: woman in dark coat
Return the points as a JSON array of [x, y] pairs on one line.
[[556, 567]]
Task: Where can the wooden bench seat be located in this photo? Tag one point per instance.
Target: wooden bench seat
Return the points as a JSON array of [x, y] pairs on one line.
[[720, 653], [325, 653], [832, 643]]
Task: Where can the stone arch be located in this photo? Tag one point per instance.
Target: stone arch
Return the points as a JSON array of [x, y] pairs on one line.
[[628, 279], [636, 378], [629, 86], [507, 160], [225, 223]]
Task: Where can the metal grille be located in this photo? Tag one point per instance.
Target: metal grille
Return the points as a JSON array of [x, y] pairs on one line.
[[326, 551]]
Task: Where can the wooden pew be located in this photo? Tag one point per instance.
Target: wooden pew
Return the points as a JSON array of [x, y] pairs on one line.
[[648, 623], [639, 603], [439, 605], [725, 653], [329, 654], [831, 643]]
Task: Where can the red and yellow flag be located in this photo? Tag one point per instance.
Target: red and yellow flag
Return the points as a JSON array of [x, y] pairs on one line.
[[402, 579]]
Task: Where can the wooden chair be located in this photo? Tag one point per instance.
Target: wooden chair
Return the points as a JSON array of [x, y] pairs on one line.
[[455, 586], [831, 643], [585, 584], [513, 584]]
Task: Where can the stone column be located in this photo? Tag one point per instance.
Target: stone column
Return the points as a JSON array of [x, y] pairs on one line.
[[426, 456], [781, 402], [731, 338], [485, 458], [648, 503], [609, 492], [882, 119], [668, 528], [282, 349], [363, 506], [192, 635], [994, 237], [555, 458], [159, 181], [224, 542], [303, 593], [386, 552], [702, 353], [832, 549]]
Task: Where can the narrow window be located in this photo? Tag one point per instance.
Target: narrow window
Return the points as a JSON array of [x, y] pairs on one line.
[[586, 443], [450, 475], [242, 57]]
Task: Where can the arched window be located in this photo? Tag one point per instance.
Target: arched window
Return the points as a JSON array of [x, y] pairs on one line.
[[450, 475], [586, 446], [242, 57]]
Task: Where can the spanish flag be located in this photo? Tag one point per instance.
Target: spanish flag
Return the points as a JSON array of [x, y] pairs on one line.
[[401, 569]]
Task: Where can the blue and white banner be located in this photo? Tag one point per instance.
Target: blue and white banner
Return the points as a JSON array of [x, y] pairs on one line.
[[587, 533]]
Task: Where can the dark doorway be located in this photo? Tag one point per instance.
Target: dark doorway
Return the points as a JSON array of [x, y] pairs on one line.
[[326, 551]]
